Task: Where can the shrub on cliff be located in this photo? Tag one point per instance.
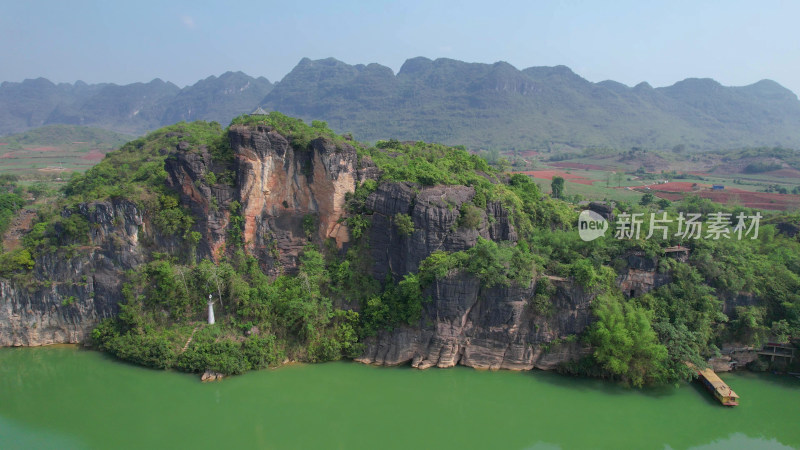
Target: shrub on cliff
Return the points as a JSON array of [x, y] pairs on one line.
[[15, 261], [10, 203], [471, 216], [430, 164], [404, 224]]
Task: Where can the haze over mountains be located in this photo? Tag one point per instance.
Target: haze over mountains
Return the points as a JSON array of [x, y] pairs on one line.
[[133, 108], [479, 105]]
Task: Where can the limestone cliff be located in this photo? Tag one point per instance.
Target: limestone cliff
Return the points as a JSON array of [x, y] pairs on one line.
[[278, 189], [493, 328], [68, 294], [641, 275], [286, 193], [465, 323], [435, 212]]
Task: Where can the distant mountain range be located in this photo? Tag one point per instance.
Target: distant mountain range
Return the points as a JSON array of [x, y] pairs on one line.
[[479, 105], [133, 108]]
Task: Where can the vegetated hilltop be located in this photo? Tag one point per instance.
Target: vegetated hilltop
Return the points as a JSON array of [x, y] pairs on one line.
[[447, 101], [131, 109], [315, 247]]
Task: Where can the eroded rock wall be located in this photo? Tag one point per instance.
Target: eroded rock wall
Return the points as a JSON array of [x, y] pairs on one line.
[[435, 212], [486, 328], [67, 294], [465, 323], [280, 188]]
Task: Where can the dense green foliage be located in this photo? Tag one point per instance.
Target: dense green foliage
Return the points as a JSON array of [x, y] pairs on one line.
[[136, 171], [261, 321], [404, 224], [625, 343], [298, 132], [10, 203], [429, 164]]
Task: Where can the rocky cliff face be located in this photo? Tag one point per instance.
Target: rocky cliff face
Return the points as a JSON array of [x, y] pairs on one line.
[[465, 323], [435, 212], [278, 189], [210, 205], [493, 328], [641, 275], [68, 294], [289, 195]]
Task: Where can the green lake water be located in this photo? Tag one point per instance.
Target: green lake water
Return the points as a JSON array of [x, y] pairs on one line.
[[65, 397]]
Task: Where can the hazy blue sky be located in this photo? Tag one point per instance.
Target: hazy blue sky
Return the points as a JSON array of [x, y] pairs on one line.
[[661, 42]]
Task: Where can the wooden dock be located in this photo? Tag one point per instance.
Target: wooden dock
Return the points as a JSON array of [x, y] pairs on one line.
[[774, 350]]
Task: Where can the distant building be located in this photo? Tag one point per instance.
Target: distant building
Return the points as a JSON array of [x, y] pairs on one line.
[[717, 187], [678, 252], [259, 112]]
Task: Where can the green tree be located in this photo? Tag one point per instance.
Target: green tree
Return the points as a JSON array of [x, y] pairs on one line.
[[625, 344], [647, 199], [557, 187]]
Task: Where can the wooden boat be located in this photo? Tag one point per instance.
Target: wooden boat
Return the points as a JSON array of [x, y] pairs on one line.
[[718, 388]]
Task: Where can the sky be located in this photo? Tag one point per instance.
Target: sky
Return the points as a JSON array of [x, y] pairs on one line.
[[660, 42]]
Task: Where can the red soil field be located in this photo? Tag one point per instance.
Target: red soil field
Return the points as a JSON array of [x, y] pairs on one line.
[[528, 153], [574, 165], [94, 155], [42, 149], [671, 196], [675, 186], [549, 174], [761, 200]]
